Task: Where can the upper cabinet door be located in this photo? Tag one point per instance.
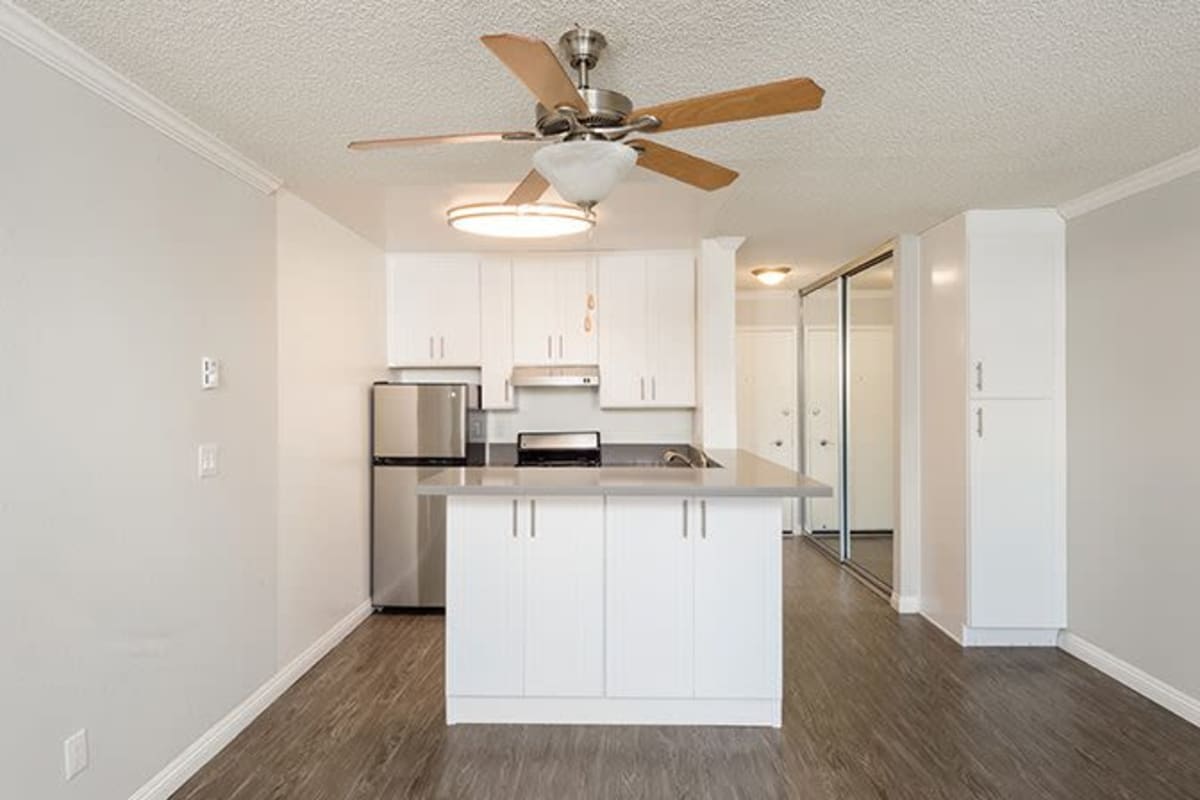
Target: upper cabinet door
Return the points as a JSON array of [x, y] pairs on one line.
[[1012, 284], [671, 340], [576, 296], [495, 315], [564, 597], [433, 310], [623, 364], [535, 314]]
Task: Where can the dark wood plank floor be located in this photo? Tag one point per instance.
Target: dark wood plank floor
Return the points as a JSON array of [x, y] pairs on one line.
[[875, 707]]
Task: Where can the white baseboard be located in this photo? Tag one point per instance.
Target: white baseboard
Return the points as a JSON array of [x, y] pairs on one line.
[[1009, 637], [199, 752], [1141, 682], [906, 604], [612, 711]]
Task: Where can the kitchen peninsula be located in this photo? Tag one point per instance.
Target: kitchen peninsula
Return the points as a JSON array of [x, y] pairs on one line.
[[616, 594]]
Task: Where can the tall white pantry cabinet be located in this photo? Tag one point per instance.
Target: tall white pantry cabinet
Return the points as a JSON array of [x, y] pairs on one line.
[[992, 414]]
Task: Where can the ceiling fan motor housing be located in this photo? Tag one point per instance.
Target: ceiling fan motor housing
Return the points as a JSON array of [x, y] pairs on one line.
[[582, 48]]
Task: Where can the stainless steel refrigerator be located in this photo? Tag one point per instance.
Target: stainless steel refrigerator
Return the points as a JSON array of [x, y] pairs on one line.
[[417, 430]]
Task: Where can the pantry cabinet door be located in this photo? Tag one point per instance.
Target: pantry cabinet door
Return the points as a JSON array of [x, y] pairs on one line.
[[649, 597], [454, 307], [622, 290], [485, 600], [535, 315], [497, 341], [671, 329], [737, 596], [564, 597]]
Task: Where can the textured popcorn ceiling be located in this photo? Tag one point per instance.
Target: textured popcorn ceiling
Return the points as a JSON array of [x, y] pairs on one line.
[[931, 106]]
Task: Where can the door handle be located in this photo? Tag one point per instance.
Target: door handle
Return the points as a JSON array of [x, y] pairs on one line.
[[685, 510], [514, 524], [979, 376], [778, 442], [533, 519], [442, 339], [823, 443], [703, 519]]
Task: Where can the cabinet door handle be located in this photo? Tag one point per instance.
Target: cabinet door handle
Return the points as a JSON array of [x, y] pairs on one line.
[[549, 347], [507, 389], [560, 345], [685, 510], [979, 376], [431, 348], [703, 519], [643, 382], [979, 422], [442, 340], [533, 519], [653, 388], [514, 527]]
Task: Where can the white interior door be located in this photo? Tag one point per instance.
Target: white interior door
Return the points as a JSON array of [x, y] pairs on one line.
[[766, 399], [821, 423], [872, 429]]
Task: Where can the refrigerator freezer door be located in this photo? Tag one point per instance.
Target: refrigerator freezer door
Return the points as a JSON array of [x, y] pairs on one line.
[[415, 421], [408, 559]]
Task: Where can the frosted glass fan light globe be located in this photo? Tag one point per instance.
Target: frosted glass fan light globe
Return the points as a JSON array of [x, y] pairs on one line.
[[585, 172]]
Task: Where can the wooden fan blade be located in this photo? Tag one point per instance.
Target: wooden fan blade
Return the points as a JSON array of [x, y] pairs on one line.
[[529, 190], [682, 166], [535, 65], [782, 97], [452, 138]]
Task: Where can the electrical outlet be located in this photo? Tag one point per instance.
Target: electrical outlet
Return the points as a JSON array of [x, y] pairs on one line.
[[210, 373], [209, 462], [75, 753]]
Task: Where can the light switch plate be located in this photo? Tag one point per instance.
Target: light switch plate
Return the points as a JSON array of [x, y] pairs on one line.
[[210, 373], [75, 754], [208, 456]]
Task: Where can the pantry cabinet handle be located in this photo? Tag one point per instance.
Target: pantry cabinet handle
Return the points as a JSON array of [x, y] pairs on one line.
[[703, 519], [979, 422], [532, 519], [685, 510], [514, 528], [979, 376]]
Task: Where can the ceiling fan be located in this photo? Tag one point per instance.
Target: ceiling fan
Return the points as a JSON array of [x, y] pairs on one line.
[[592, 127]]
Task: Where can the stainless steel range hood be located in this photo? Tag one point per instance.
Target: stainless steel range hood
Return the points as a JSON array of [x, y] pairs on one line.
[[588, 376]]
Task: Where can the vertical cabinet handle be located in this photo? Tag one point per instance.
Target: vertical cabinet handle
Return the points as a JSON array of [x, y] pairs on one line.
[[560, 345], [979, 376], [643, 382], [514, 528], [979, 422], [549, 347], [442, 340], [533, 519], [685, 510], [653, 388], [431, 348], [703, 519], [507, 391]]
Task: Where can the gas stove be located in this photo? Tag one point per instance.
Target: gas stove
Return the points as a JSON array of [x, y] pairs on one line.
[[558, 449]]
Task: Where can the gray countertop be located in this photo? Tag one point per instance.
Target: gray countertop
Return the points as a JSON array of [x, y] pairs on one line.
[[741, 474]]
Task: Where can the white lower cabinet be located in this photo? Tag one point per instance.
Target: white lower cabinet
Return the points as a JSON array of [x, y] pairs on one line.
[[624, 610]]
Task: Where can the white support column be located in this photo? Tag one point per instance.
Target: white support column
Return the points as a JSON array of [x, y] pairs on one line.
[[906, 303], [716, 368]]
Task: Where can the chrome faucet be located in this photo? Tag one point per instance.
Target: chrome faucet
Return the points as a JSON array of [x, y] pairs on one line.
[[674, 455]]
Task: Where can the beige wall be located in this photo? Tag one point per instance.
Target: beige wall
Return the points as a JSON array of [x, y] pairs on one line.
[[1133, 284], [331, 340], [136, 600]]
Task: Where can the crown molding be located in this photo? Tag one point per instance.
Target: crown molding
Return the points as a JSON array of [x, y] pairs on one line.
[[52, 48], [1138, 182]]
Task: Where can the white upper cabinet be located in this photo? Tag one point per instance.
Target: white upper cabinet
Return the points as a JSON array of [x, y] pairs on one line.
[[496, 318], [648, 344], [1012, 296], [554, 309], [433, 310]]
